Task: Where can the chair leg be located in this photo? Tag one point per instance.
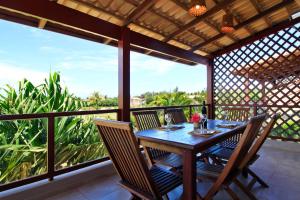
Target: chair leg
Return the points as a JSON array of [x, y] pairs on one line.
[[245, 173], [231, 193], [262, 183], [244, 189], [251, 183]]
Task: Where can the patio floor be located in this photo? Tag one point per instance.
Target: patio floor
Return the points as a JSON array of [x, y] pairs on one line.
[[279, 166]]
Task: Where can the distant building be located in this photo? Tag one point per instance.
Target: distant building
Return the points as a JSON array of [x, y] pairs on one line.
[[136, 101]]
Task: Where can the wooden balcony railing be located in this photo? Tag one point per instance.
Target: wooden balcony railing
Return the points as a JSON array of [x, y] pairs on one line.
[[51, 117]]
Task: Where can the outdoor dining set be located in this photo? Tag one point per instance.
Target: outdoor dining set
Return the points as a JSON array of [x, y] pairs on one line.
[[158, 158]]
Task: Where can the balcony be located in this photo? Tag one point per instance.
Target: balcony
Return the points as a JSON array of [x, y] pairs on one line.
[[255, 67]]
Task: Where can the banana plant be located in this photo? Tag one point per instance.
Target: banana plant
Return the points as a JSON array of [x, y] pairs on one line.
[[23, 143]]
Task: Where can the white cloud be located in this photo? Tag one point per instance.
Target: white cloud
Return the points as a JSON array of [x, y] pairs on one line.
[[155, 65], [10, 74]]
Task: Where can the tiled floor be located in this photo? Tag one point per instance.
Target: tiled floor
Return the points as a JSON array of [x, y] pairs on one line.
[[279, 165]]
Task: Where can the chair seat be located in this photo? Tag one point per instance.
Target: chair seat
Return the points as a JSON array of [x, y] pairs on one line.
[[165, 180], [210, 151], [225, 153], [229, 143], [171, 160], [208, 170]]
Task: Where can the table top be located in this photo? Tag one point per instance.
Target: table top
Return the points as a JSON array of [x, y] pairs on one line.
[[183, 139]]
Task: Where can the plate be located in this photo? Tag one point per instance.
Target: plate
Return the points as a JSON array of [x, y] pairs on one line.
[[227, 125], [171, 127], [204, 132]]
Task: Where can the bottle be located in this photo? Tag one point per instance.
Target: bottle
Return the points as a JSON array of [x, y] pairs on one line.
[[204, 110], [204, 114]]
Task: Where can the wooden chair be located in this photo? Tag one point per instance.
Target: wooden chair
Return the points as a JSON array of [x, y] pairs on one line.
[[177, 115], [235, 114], [148, 120], [223, 176], [223, 154], [136, 177]]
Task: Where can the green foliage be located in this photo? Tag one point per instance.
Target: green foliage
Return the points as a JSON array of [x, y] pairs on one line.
[[174, 98], [23, 150], [96, 100]]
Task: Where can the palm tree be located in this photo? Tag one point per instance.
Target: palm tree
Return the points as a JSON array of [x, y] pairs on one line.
[[95, 99], [175, 98]]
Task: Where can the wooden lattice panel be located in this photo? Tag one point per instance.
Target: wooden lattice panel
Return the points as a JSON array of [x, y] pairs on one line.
[[264, 75]]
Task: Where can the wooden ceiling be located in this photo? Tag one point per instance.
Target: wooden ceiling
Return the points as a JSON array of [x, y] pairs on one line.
[[169, 20], [276, 67], [172, 33]]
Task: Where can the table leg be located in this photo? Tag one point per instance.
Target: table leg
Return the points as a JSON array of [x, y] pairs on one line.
[[189, 175]]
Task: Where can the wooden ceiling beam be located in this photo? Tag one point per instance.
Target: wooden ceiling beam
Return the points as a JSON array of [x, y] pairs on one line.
[[213, 25], [197, 20], [92, 6], [139, 11], [121, 18], [42, 23], [257, 36], [247, 22], [107, 41], [259, 9], [175, 23], [56, 13]]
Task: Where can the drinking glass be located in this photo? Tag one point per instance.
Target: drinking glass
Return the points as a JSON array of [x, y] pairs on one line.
[[168, 119], [203, 121], [225, 115]]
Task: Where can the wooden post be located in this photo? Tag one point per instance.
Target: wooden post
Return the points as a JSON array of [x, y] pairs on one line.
[[51, 147], [124, 75], [189, 175], [210, 90]]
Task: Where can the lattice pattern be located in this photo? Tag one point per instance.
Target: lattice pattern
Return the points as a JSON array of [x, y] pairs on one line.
[[265, 73]]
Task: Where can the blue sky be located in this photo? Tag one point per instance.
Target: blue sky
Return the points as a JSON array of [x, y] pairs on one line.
[[86, 66]]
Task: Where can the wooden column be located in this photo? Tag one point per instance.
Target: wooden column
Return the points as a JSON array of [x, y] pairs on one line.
[[210, 89], [124, 75]]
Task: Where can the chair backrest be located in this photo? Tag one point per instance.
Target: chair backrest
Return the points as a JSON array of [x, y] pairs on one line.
[[242, 148], [124, 152], [146, 119], [260, 141], [237, 114], [177, 115]]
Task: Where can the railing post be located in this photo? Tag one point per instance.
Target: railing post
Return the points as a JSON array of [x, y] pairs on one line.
[[210, 90], [51, 147], [124, 75]]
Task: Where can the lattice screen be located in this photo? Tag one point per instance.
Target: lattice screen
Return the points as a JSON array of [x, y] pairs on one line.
[[265, 73]]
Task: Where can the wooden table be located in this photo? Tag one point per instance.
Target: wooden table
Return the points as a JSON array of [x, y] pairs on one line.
[[187, 145]]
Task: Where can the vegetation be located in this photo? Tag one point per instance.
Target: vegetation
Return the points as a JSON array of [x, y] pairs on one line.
[[96, 100], [23, 142], [174, 98]]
